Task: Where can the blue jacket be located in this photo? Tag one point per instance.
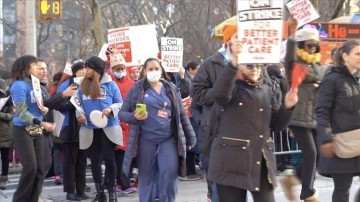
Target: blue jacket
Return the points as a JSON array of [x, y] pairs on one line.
[[22, 93], [184, 133], [110, 95]]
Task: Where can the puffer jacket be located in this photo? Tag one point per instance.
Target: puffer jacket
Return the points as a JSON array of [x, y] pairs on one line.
[[337, 111], [184, 133], [304, 112], [6, 115]]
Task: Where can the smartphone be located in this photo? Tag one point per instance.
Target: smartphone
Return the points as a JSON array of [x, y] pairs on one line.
[[140, 108]]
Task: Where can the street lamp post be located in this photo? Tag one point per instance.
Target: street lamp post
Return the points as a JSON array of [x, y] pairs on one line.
[[30, 28]]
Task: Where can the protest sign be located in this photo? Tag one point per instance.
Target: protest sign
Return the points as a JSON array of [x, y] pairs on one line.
[[37, 91], [102, 53], [302, 10], [58, 121], [260, 30], [67, 69], [171, 53], [75, 100], [133, 44]]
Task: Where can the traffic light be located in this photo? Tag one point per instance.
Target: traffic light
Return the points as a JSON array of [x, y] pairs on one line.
[[49, 9]]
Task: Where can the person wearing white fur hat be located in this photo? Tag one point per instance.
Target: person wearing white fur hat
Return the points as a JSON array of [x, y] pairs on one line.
[[303, 49]]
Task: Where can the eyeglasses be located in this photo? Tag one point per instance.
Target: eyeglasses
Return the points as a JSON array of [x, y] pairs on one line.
[[312, 45], [253, 66]]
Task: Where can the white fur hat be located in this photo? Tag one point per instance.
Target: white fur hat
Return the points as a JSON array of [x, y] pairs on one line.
[[307, 33]]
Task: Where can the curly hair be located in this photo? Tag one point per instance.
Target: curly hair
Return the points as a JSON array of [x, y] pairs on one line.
[[20, 67]]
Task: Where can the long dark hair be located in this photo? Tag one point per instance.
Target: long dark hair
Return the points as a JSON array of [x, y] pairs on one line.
[[164, 75], [346, 48], [21, 66]]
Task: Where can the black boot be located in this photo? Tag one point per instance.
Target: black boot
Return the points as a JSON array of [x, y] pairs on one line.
[[100, 195], [112, 195]]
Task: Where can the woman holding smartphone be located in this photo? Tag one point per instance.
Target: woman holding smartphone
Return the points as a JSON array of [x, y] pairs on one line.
[[158, 136]]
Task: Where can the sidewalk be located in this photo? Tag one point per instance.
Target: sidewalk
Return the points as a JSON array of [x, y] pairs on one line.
[[195, 191]]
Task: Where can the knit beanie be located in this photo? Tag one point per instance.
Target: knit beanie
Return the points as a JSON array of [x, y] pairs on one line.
[[77, 64], [228, 31], [96, 64]]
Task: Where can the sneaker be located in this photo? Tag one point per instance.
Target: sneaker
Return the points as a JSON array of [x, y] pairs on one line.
[[129, 190], [58, 180], [288, 182], [194, 177]]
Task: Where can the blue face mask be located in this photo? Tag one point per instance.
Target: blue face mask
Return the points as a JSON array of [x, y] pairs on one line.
[[120, 75]]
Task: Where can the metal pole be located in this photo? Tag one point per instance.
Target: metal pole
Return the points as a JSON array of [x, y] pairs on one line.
[[30, 28]]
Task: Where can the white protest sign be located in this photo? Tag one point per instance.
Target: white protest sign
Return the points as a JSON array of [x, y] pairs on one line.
[[102, 53], [3, 101], [260, 30], [58, 121], [136, 43], [75, 100], [37, 91], [302, 10], [171, 53], [67, 69]]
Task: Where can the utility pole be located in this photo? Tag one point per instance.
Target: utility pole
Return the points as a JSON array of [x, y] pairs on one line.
[[30, 28]]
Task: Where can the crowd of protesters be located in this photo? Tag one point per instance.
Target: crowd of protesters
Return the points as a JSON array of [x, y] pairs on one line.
[[133, 118]]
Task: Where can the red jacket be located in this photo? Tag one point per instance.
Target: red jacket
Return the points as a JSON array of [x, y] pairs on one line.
[[124, 84]]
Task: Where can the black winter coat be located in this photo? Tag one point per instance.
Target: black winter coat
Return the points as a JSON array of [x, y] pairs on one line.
[[304, 112], [242, 132], [337, 111], [71, 132]]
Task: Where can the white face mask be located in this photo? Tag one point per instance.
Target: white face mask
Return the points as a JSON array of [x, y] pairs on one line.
[[153, 76], [120, 75]]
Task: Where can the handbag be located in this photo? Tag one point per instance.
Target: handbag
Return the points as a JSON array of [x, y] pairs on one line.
[[347, 144], [34, 130]]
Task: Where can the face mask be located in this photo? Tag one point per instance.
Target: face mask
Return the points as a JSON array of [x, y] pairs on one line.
[[119, 75], [153, 76]]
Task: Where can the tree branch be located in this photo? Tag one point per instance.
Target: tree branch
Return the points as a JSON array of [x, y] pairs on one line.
[[337, 9]]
